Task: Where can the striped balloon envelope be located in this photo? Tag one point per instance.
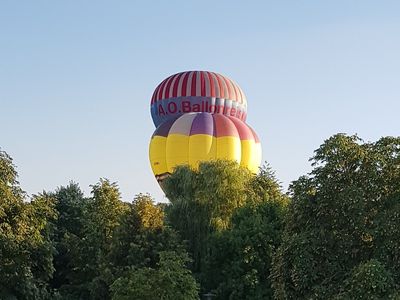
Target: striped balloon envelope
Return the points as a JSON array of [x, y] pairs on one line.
[[197, 91], [196, 137]]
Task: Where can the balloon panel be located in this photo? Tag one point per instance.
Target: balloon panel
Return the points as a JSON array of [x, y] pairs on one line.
[[251, 155], [157, 154], [202, 147]]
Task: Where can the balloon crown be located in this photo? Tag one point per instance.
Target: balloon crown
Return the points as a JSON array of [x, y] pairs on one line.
[[197, 91]]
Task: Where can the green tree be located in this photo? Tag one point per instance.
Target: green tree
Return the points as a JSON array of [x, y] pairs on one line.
[[26, 251], [141, 236], [369, 281], [240, 257], [342, 215], [203, 201], [69, 231], [146, 259], [42, 215], [150, 215], [169, 280], [104, 214]]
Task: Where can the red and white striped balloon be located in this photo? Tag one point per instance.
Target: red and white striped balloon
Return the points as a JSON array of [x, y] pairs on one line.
[[197, 91]]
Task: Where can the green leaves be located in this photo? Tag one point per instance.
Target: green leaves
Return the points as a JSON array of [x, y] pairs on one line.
[[232, 221], [369, 280], [203, 201], [342, 215], [336, 237], [26, 251], [239, 260], [169, 280]]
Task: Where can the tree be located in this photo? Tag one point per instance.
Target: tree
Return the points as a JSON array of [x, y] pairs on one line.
[[232, 221], [42, 215], [104, 214], [141, 236], [342, 215], [147, 259], [370, 281], [239, 260], [203, 201], [150, 215], [26, 251], [169, 280], [69, 231]]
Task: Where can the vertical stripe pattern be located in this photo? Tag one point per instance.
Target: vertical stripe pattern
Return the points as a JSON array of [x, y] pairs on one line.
[[198, 83]]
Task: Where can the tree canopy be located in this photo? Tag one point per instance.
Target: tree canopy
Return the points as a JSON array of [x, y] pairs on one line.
[[334, 235], [26, 251], [227, 215], [343, 222]]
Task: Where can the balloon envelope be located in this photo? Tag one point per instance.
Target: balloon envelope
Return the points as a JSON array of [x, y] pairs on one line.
[[196, 137], [197, 91]]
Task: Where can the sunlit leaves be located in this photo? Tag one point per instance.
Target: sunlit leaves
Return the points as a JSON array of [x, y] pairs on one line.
[[342, 214]]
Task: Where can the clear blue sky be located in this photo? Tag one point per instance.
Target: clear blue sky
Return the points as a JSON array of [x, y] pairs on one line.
[[76, 79]]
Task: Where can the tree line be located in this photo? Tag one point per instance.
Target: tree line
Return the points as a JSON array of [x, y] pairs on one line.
[[225, 231]]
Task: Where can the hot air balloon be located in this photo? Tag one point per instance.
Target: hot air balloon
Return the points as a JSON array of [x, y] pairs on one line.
[[197, 91], [196, 137]]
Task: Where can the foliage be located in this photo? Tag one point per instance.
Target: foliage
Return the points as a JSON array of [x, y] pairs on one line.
[[104, 213], [341, 216], [337, 238], [170, 279], [240, 258], [265, 187], [88, 243], [232, 221], [150, 215], [67, 237], [203, 201], [239, 261], [216, 188], [25, 248], [138, 242], [103, 216], [370, 281]]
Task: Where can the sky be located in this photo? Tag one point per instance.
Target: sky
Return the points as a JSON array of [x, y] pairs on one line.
[[76, 78]]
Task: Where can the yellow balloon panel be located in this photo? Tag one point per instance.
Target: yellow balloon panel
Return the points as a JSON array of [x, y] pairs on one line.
[[251, 155], [229, 148], [157, 154], [257, 156], [247, 153], [177, 151], [202, 147]]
